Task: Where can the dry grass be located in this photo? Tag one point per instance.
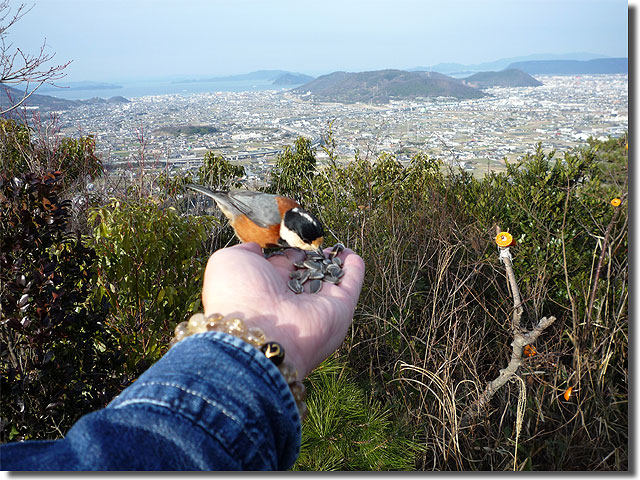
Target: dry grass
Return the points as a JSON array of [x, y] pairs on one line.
[[434, 327]]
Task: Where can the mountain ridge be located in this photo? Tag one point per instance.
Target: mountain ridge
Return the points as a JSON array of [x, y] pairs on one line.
[[292, 79], [380, 86], [510, 77], [503, 63], [10, 96], [573, 67]]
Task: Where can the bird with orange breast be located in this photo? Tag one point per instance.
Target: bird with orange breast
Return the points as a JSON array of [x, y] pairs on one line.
[[269, 220]]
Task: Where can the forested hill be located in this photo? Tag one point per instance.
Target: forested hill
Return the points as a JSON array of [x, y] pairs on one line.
[[292, 79], [10, 96], [505, 78], [380, 86]]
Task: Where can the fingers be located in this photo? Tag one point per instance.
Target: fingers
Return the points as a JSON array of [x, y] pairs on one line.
[[352, 265], [251, 247], [351, 283]]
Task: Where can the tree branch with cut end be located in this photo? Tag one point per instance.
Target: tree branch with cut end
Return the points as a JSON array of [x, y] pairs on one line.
[[521, 338]]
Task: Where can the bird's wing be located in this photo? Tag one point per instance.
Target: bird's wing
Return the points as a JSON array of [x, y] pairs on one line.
[[260, 208]]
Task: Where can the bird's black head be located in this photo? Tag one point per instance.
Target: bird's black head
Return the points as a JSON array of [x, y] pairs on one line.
[[301, 229]]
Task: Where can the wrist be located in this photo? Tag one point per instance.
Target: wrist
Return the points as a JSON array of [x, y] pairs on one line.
[[272, 327]]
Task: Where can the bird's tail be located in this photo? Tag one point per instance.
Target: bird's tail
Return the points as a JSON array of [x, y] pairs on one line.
[[206, 191], [221, 197]]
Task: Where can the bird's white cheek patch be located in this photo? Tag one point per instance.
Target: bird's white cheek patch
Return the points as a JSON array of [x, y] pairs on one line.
[[292, 238]]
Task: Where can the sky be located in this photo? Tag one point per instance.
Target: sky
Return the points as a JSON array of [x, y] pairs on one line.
[[110, 40]]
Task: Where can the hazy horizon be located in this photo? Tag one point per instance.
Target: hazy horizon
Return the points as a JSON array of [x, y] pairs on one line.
[[117, 40]]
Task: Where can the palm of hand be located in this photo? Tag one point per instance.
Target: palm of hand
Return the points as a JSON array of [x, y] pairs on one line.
[[240, 281]]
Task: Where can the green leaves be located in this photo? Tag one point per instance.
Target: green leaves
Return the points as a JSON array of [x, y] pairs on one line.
[[435, 296], [75, 158], [81, 318], [294, 170], [217, 172], [151, 261]]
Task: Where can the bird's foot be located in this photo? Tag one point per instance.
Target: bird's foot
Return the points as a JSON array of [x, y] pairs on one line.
[[269, 254]]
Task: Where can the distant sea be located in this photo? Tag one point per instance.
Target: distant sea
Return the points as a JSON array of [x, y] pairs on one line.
[[161, 87]]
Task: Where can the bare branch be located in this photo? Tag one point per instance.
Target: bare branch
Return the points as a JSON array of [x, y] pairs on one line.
[[20, 68], [521, 338], [25, 96]]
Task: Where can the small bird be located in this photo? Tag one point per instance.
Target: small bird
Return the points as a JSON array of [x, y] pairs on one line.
[[269, 220]]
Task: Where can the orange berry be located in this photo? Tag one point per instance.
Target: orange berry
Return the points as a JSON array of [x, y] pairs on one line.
[[616, 202], [567, 393]]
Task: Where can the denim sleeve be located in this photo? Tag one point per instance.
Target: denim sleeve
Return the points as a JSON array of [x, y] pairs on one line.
[[213, 402]]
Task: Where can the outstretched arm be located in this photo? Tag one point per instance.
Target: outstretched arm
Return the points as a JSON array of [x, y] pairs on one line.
[[214, 402]]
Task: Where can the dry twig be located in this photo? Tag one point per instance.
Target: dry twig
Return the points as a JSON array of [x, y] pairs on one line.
[[521, 338], [20, 68]]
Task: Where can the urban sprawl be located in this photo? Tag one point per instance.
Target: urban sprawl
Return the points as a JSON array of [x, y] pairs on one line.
[[251, 128]]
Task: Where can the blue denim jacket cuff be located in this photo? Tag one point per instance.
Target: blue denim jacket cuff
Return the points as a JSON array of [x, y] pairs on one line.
[[228, 389]]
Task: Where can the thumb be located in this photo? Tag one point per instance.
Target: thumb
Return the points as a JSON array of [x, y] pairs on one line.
[[250, 246]]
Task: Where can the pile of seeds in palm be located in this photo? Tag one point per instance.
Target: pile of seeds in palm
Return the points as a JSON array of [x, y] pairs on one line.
[[315, 269]]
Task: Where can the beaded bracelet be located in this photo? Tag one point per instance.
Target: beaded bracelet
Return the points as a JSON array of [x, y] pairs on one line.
[[198, 323]]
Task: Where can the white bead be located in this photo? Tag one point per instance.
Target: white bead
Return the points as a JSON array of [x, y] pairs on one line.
[[197, 323]]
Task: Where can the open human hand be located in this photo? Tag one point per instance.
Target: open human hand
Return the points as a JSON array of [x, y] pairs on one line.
[[240, 281]]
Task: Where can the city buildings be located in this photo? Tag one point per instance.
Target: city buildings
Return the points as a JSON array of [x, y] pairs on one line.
[[252, 127]]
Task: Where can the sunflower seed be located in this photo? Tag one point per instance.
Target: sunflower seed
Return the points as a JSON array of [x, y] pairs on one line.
[[316, 268], [337, 248], [331, 279], [316, 275], [295, 286], [333, 269], [304, 276], [312, 264], [315, 286]]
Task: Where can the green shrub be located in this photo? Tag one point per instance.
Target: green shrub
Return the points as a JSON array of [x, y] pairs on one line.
[[346, 429], [57, 356], [433, 322], [218, 173], [435, 298], [75, 158], [294, 170], [150, 265]]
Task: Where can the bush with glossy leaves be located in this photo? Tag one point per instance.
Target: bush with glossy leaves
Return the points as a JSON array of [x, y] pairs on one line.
[[57, 357]]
